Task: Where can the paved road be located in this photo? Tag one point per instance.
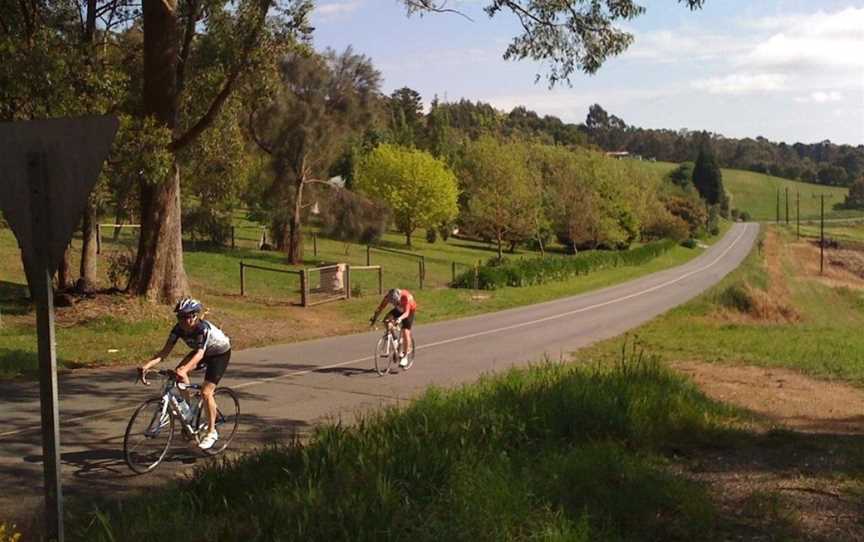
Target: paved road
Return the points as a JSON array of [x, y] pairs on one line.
[[290, 388]]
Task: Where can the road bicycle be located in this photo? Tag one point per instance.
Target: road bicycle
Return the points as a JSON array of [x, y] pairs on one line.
[[388, 348], [151, 428]]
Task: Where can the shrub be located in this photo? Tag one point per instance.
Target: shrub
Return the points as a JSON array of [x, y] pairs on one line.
[[119, 268], [529, 272], [208, 223], [689, 243], [666, 226], [431, 235]]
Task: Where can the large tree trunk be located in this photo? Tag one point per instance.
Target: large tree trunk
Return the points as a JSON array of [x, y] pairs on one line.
[[63, 270], [89, 261], [158, 273], [295, 245]]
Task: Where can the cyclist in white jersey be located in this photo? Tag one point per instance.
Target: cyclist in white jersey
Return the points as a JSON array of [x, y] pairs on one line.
[[211, 349]]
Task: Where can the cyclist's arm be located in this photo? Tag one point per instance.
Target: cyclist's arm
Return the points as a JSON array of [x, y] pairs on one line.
[[169, 345], [379, 309]]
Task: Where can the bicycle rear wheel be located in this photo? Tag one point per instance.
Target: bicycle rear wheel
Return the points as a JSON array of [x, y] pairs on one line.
[[148, 436], [227, 419], [384, 351]]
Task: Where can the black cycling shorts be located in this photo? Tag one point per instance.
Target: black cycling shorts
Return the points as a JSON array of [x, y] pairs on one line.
[[406, 323], [215, 366]]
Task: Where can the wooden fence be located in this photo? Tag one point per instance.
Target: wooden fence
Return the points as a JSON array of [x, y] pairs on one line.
[[324, 292]]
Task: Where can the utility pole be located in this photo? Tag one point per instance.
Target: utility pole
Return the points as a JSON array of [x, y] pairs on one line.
[[798, 214], [778, 206], [821, 233], [787, 205]]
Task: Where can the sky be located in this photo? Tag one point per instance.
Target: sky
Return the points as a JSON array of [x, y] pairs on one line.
[[787, 70]]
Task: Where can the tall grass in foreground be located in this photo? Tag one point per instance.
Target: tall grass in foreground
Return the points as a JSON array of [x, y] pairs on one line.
[[553, 452]]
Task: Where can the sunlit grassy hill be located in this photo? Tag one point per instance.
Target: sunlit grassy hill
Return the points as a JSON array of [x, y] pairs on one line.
[[756, 193]]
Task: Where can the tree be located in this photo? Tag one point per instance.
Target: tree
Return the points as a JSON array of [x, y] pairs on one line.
[[855, 197], [503, 197], [406, 116], [171, 31], [707, 177], [420, 189], [322, 101]]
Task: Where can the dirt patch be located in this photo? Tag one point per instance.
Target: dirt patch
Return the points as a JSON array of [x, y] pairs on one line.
[[800, 476], [783, 398]]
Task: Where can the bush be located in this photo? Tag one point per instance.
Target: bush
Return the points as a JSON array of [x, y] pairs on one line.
[[119, 268], [744, 216], [431, 235], [666, 226], [208, 223], [529, 272], [689, 243]]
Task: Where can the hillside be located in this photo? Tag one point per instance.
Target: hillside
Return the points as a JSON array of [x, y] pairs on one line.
[[756, 193]]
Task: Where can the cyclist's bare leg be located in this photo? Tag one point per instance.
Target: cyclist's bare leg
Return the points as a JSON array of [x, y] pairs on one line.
[[207, 391], [406, 341], [183, 373]]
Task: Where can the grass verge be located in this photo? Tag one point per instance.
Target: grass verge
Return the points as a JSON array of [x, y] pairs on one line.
[[552, 452]]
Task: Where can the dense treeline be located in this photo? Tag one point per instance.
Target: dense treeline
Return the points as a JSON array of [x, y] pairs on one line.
[[823, 162]]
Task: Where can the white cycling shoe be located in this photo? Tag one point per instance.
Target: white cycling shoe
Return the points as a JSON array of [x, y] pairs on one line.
[[403, 361], [209, 440]]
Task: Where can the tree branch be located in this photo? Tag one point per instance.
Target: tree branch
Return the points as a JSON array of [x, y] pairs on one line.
[[258, 141], [188, 34], [432, 7], [205, 121]]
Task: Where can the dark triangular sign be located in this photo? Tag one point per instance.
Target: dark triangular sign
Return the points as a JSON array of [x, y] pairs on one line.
[[58, 161]]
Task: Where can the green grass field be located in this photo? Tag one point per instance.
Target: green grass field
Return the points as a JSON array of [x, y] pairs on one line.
[[756, 193]]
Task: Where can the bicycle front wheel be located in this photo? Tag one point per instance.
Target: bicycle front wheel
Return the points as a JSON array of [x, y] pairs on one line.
[[384, 352], [148, 436], [227, 419]]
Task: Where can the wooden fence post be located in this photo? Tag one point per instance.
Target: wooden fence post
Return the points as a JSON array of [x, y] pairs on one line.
[[304, 285], [420, 272], [368, 255], [98, 238], [242, 280], [380, 280], [347, 281], [453, 271], [315, 243], [233, 245]]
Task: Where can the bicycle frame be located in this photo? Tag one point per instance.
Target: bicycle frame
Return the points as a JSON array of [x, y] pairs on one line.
[[170, 404]]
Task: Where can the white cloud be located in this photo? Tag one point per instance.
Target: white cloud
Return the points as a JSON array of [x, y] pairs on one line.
[[816, 45], [820, 97], [692, 44], [334, 10], [742, 83]]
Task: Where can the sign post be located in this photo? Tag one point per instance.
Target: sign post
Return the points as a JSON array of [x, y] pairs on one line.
[[47, 170]]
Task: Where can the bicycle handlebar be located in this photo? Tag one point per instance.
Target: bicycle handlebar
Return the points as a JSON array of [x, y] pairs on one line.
[[142, 374]]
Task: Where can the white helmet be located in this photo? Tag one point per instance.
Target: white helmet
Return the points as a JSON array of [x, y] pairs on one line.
[[187, 305]]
